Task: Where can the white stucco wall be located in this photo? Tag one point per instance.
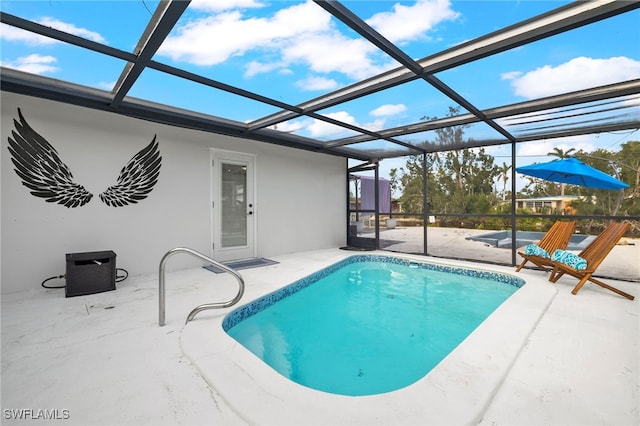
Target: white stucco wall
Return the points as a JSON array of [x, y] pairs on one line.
[[301, 195]]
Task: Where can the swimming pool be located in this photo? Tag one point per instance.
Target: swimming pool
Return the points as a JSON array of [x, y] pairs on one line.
[[368, 324], [457, 391], [502, 239]]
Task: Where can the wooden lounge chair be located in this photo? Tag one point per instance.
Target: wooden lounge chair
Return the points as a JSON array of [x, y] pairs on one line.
[[594, 254], [557, 237]]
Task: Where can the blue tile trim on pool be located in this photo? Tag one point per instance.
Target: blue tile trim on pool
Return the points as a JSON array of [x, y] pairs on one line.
[[258, 305]]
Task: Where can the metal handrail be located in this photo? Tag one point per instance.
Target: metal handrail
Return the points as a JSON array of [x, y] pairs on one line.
[[197, 309]]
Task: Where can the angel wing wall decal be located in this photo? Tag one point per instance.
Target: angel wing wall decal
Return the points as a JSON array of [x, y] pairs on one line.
[[38, 165], [136, 179], [42, 171]]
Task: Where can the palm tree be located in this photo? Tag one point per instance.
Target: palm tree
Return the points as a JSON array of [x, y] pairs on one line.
[[503, 173], [561, 154]]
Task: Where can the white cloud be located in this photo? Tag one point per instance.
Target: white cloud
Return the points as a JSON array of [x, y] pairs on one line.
[[322, 129], [72, 29], [255, 67], [316, 128], [199, 42], [412, 22], [579, 73], [317, 83], [218, 5], [291, 126], [513, 75], [543, 147], [301, 34], [9, 33], [37, 63], [375, 125], [34, 64], [387, 110], [215, 38], [332, 52]]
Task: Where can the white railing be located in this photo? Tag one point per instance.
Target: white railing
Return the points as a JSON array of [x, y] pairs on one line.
[[203, 307]]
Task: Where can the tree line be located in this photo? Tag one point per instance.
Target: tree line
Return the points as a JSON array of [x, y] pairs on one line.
[[468, 180]]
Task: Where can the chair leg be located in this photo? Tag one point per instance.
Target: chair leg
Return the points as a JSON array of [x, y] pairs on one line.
[[578, 286], [521, 265], [613, 289], [555, 274]]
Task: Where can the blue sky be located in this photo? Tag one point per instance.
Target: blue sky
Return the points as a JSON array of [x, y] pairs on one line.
[[294, 51]]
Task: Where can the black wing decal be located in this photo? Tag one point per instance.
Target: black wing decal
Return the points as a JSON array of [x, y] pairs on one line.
[[38, 165], [136, 179]]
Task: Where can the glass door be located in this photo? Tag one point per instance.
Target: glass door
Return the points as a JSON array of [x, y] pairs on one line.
[[233, 206]]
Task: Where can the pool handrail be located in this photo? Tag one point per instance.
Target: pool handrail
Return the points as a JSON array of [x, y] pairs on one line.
[[205, 306]]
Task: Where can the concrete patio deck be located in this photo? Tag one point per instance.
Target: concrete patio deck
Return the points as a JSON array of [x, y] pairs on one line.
[[102, 359]]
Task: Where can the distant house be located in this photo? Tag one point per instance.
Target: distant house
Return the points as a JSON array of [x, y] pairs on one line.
[[559, 203]]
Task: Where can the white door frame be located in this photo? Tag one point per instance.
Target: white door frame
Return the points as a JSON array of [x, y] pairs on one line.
[[218, 252]]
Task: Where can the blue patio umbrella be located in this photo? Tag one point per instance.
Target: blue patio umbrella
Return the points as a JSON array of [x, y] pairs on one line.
[[573, 172]]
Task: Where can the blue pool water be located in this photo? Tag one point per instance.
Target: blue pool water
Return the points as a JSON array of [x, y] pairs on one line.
[[368, 324]]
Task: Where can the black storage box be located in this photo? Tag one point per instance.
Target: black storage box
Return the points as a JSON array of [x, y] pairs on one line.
[[91, 272]]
